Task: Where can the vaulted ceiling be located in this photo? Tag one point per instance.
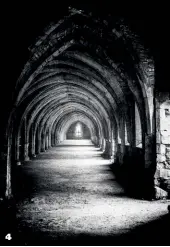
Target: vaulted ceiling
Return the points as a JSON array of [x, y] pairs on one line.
[[90, 66], [87, 61]]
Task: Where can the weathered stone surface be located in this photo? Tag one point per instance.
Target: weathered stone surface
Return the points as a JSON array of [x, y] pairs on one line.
[[167, 164], [165, 139], [167, 184], [162, 174], [161, 158], [157, 173], [158, 148], [165, 173], [160, 165], [160, 193], [162, 149], [167, 154]]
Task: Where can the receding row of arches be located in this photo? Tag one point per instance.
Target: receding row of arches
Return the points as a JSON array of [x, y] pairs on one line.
[[96, 73]]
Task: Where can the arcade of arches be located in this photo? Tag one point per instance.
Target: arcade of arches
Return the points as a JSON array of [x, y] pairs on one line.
[[91, 81]]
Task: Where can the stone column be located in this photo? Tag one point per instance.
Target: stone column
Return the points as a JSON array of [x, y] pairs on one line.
[[26, 141], [43, 141], [49, 139], [57, 138], [46, 141], [8, 192], [113, 145], [122, 136], [150, 166], [33, 142], [39, 140], [103, 144], [17, 150], [108, 148], [26, 157], [52, 138], [94, 140], [100, 143]]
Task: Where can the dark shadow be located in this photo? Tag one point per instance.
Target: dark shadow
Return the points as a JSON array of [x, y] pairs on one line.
[[154, 233], [129, 179], [132, 175], [8, 224], [23, 183], [25, 186]]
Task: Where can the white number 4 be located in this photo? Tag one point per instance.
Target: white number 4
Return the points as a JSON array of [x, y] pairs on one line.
[[8, 236]]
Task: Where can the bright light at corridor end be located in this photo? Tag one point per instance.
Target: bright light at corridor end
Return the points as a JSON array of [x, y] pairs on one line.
[[78, 130]]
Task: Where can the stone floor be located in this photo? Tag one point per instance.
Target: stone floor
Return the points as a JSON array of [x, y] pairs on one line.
[[69, 195]]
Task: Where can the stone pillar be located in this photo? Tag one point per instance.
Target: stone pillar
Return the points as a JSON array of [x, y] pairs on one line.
[[8, 148], [26, 139], [122, 136], [46, 141], [114, 144], [57, 140], [94, 139], [52, 138], [49, 139], [26, 157], [8, 191], [39, 140], [109, 148], [150, 166], [17, 150], [33, 142], [100, 143], [103, 144], [43, 142]]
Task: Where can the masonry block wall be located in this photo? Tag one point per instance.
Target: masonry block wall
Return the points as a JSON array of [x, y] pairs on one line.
[[162, 175]]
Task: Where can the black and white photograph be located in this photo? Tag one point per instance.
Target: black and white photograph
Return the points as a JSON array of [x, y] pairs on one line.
[[85, 124]]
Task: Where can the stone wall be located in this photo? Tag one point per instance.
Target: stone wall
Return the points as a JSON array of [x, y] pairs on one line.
[[162, 175]]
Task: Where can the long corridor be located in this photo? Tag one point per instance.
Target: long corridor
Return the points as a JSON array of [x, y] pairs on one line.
[[69, 195]]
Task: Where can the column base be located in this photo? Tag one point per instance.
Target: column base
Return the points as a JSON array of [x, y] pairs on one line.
[[26, 158], [18, 163], [112, 159], [105, 155]]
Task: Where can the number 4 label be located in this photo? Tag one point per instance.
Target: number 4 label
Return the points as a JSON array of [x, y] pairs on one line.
[[8, 236]]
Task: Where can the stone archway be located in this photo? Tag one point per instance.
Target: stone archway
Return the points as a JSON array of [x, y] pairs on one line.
[[87, 72]]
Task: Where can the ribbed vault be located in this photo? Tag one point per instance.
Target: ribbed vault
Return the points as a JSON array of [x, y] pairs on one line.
[[82, 69]]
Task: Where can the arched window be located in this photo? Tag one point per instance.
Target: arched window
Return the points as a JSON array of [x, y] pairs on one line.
[[138, 128], [78, 130], [126, 135]]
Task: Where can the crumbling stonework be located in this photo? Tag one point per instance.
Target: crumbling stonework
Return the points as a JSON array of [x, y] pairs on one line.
[[162, 175]]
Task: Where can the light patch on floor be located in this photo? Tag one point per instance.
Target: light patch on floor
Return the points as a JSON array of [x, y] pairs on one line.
[[72, 196]]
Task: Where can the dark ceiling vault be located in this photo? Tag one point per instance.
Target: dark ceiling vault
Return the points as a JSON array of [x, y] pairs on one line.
[[25, 24]]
